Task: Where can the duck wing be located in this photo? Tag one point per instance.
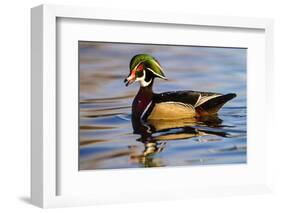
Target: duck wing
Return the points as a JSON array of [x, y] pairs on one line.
[[188, 97], [187, 102], [204, 103]]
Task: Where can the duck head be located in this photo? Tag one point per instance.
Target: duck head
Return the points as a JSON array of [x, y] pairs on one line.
[[144, 68]]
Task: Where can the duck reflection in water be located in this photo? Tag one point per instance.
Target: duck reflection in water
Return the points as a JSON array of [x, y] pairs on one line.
[[154, 134]]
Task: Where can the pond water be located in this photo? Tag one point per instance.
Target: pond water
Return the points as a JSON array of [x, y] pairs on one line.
[[107, 137]]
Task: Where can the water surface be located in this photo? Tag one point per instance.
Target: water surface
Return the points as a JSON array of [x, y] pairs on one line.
[[107, 138]]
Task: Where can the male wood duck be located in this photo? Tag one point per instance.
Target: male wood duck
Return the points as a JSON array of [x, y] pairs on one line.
[[168, 105]]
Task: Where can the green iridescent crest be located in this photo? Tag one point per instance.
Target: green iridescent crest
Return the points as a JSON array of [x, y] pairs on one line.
[[149, 62]]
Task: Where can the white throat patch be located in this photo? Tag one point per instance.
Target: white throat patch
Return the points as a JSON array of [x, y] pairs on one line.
[[142, 81]]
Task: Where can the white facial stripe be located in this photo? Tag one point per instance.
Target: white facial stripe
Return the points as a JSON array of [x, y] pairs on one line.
[[137, 65], [158, 65], [155, 73], [142, 81]]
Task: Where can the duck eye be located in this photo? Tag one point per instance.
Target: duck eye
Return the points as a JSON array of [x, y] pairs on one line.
[[139, 73]]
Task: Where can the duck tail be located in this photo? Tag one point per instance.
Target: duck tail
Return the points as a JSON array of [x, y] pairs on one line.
[[213, 105]]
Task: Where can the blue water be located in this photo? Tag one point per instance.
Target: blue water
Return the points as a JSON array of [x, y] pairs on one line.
[[107, 138]]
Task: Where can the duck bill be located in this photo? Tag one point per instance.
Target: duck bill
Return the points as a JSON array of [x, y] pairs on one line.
[[130, 79]]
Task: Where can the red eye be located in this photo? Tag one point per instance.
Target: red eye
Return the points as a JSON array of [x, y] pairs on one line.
[[140, 67]]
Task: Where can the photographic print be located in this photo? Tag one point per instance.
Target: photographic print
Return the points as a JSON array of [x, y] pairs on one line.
[[152, 105]]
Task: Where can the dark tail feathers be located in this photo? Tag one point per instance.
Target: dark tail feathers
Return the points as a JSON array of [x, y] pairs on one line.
[[213, 105]]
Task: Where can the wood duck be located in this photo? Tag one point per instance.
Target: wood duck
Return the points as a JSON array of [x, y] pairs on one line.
[[168, 105]]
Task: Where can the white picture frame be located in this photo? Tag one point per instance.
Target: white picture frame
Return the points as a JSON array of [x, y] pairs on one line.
[[45, 157]]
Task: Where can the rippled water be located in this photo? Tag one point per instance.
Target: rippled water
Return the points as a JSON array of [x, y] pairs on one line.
[[107, 137]]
